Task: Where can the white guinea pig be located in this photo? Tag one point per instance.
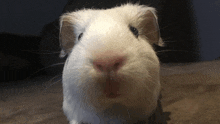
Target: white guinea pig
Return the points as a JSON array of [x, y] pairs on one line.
[[111, 74]]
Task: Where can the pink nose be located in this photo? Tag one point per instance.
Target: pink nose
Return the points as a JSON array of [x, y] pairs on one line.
[[107, 62]]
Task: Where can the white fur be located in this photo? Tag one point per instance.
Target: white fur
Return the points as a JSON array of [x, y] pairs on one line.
[[107, 30]]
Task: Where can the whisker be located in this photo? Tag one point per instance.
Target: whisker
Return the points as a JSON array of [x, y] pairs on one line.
[[194, 52], [57, 37], [167, 68], [52, 80], [56, 27], [38, 52], [168, 41], [43, 69], [128, 113]]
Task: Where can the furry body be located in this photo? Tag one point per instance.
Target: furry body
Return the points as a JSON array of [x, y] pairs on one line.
[[90, 35]]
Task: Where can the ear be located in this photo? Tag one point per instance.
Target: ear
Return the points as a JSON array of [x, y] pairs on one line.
[[66, 35], [150, 28]]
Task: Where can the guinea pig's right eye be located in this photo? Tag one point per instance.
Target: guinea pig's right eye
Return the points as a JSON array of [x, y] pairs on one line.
[[79, 37], [134, 30]]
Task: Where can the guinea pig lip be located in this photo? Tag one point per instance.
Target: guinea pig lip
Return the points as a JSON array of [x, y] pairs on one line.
[[111, 88], [112, 95]]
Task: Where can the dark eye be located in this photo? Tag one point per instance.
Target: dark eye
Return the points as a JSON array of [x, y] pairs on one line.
[[134, 31], [79, 37]]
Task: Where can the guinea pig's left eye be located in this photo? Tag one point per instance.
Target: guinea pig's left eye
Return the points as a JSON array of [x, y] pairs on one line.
[[79, 37], [134, 31]]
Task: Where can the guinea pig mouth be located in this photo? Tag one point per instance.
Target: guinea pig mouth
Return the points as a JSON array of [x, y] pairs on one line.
[[111, 88]]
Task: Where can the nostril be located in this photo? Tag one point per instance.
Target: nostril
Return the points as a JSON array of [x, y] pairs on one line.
[[99, 67], [117, 65]]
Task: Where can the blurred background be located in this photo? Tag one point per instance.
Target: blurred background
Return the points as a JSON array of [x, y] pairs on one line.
[[29, 44]]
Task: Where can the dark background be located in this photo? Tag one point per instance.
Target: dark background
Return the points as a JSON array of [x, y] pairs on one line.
[[29, 32]]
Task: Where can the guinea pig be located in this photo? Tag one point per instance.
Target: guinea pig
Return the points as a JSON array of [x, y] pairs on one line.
[[111, 74]]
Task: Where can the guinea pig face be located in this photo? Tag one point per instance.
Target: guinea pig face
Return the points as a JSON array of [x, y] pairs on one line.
[[110, 58]]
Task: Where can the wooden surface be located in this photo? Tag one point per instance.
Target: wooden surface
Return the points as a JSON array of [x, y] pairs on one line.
[[190, 96]]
